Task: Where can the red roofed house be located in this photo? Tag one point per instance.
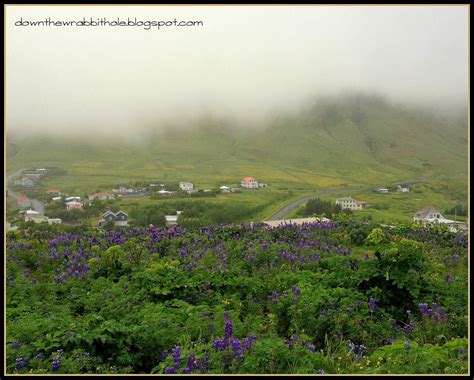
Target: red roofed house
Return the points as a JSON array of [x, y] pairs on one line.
[[53, 192], [249, 183], [23, 201]]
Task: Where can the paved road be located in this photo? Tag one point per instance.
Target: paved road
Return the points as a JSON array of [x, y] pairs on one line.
[[290, 206], [36, 204], [298, 202]]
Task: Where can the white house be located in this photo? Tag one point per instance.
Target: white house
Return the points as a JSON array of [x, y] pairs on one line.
[[119, 218], [186, 186], [34, 216], [349, 203], [249, 183], [430, 216], [403, 188], [54, 221], [224, 189], [101, 196], [72, 199], [171, 220], [56, 198], [382, 191]]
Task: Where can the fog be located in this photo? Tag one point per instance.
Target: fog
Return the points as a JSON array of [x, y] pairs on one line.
[[248, 63]]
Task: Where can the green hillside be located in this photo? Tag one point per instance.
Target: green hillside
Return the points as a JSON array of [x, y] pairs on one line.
[[355, 139]]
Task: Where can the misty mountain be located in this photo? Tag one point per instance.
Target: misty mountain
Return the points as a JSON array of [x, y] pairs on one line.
[[358, 135]]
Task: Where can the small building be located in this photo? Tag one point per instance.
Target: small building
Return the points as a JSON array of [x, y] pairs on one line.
[[363, 204], [73, 205], [224, 189], [262, 185], [171, 220], [427, 214], [249, 183], [53, 192], [186, 186], [348, 203], [34, 216], [165, 192], [26, 182], [41, 171], [382, 191], [119, 218], [123, 189], [54, 221], [101, 196], [403, 189], [23, 201], [73, 199], [56, 198], [33, 176]]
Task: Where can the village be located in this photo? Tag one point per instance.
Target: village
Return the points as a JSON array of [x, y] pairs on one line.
[[53, 197]]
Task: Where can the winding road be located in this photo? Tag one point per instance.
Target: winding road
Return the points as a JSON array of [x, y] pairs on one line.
[[36, 204], [298, 202]]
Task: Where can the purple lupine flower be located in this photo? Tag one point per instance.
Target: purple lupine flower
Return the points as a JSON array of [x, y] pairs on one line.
[[170, 370], [85, 354], [19, 364], [324, 313], [407, 345], [164, 355], [16, 345], [442, 312], [462, 351], [449, 278], [320, 371], [26, 359], [176, 354], [434, 306], [216, 344], [372, 305], [191, 362], [303, 343], [26, 273], [351, 347], [366, 256], [332, 305], [312, 348], [56, 364], [236, 347], [228, 329], [423, 308], [40, 356], [187, 370]]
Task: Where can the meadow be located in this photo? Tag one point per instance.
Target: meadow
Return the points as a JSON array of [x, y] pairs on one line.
[[324, 298]]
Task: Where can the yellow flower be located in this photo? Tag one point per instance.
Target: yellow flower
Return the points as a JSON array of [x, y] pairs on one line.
[[339, 358], [226, 302], [378, 363]]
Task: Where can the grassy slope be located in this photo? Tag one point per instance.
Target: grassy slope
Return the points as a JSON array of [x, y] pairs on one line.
[[356, 140]]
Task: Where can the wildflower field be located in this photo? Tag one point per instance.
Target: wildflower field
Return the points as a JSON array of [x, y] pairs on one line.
[[323, 298]]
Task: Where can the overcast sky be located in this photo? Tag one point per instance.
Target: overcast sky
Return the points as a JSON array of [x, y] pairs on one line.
[[248, 61]]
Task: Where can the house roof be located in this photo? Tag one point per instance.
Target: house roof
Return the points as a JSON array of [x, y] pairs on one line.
[[427, 210], [249, 179], [53, 191], [22, 198], [121, 212], [362, 202]]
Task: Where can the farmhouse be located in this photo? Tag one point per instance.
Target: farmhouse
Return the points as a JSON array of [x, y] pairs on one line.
[[119, 218], [363, 204], [429, 216], [73, 205], [403, 188], [23, 201], [186, 186], [249, 183], [224, 189], [348, 203], [101, 196], [34, 216]]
